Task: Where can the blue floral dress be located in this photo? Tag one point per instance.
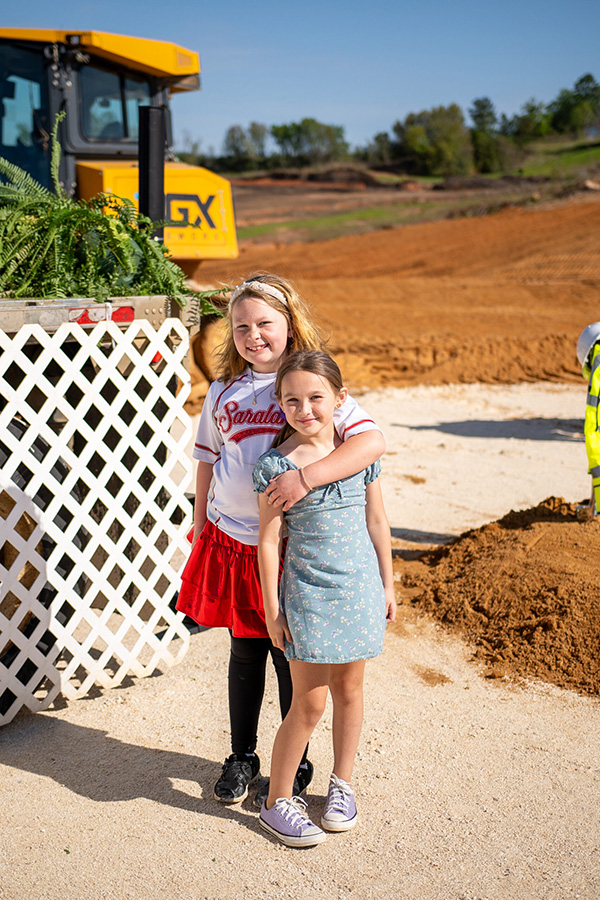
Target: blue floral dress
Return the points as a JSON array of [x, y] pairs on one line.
[[331, 591]]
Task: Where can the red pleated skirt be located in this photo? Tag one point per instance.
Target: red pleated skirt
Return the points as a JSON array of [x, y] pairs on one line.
[[221, 585]]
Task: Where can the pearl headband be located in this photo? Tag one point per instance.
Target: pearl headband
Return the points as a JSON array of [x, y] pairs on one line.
[[258, 286]]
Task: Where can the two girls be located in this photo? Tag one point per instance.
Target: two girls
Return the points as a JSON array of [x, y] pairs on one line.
[[267, 320]]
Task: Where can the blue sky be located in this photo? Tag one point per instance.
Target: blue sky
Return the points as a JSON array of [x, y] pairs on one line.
[[360, 65]]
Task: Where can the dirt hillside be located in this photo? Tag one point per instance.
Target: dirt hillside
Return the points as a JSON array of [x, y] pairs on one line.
[[499, 298]]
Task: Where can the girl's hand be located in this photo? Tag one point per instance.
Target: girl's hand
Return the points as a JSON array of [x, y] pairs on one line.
[[286, 489], [278, 631], [390, 604]]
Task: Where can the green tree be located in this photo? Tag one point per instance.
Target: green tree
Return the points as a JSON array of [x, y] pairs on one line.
[[485, 151], [484, 135], [561, 112], [289, 140], [413, 147], [533, 121], [483, 115], [380, 150], [507, 126], [587, 90], [309, 142], [435, 142], [236, 148], [257, 140], [574, 110]]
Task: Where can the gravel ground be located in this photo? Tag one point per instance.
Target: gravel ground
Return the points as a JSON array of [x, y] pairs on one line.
[[468, 788]]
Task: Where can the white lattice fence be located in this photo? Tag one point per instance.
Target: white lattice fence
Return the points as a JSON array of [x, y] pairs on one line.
[[93, 513]]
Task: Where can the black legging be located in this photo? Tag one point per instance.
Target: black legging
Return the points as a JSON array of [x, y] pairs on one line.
[[247, 668]]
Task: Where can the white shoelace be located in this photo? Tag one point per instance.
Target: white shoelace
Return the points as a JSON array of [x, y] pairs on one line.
[[341, 795], [293, 810]]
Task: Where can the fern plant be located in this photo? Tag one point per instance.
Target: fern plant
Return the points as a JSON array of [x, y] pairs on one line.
[[54, 247]]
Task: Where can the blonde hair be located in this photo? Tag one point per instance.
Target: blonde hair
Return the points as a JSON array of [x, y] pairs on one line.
[[317, 363], [304, 334]]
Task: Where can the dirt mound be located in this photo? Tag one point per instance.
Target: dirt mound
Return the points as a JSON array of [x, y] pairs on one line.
[[340, 174], [524, 590], [479, 182]]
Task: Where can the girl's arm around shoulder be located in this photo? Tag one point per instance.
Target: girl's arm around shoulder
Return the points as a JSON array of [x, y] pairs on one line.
[[269, 553], [356, 453], [379, 532], [363, 444]]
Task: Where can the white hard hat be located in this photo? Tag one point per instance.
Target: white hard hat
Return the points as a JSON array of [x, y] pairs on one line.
[[587, 339]]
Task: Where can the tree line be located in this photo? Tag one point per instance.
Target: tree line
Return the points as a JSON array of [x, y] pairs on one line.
[[436, 141]]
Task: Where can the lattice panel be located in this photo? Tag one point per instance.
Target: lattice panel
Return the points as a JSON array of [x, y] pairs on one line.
[[93, 513]]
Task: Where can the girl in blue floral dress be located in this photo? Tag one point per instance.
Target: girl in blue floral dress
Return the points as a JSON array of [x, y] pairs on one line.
[[335, 597]]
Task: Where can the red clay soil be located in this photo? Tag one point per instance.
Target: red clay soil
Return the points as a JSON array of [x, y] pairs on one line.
[[495, 299], [525, 591], [500, 298]]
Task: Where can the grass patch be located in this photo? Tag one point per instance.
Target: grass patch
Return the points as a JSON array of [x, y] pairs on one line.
[[324, 227], [362, 221], [391, 178], [562, 159]]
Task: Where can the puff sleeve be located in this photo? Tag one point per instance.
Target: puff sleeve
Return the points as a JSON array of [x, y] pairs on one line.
[[268, 466], [372, 472]]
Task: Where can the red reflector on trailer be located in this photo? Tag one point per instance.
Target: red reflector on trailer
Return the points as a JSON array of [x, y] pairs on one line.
[[123, 314], [87, 316], [98, 313]]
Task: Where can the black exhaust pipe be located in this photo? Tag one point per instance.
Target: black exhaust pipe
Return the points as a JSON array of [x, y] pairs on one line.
[[152, 143]]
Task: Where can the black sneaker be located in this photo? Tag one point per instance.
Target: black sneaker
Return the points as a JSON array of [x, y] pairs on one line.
[[239, 771], [303, 778]]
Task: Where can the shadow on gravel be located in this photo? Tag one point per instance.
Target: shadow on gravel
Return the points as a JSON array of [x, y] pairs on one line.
[[413, 536], [106, 770], [536, 429]]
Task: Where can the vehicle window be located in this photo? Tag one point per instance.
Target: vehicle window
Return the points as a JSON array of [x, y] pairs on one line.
[[17, 121], [137, 93], [24, 111], [101, 106], [109, 104]]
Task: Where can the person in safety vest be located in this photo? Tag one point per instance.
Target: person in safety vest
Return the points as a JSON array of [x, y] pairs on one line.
[[588, 354]]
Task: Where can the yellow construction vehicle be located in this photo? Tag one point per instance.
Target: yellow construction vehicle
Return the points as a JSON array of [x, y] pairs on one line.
[[100, 80]]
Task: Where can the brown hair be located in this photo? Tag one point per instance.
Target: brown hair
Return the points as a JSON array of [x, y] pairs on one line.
[[318, 363], [304, 335]]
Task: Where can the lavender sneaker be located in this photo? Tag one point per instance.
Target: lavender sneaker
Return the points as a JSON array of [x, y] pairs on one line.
[[288, 822], [340, 809]]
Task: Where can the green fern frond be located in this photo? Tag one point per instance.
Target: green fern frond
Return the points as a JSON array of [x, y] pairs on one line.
[[14, 263], [55, 158], [20, 183]]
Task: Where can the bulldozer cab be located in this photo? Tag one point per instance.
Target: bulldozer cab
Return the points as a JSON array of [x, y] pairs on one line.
[[101, 80]]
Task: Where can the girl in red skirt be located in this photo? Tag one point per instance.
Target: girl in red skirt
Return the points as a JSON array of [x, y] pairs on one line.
[[266, 320]]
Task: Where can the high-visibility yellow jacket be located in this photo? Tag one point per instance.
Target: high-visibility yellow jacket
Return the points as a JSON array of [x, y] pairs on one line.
[[591, 427]]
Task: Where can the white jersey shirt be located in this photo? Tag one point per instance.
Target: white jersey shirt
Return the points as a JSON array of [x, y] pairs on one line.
[[238, 423]]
